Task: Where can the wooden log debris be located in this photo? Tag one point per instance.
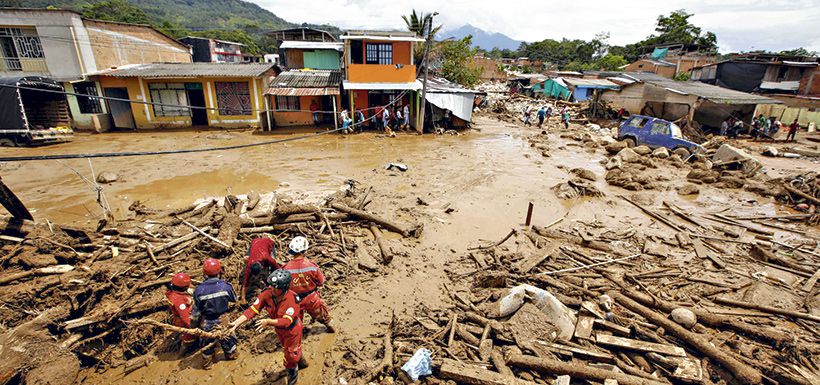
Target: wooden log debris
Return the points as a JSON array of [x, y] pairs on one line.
[[475, 375], [768, 309], [556, 367], [387, 257], [58, 269], [405, 232]]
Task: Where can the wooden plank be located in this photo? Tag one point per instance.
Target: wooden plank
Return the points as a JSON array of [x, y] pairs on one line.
[[812, 281], [701, 251], [583, 328], [593, 309], [613, 327], [570, 350], [476, 375], [641, 346], [534, 260]]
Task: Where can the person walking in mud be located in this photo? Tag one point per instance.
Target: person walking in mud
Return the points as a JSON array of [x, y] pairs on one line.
[[307, 278], [541, 114], [793, 131], [565, 118], [211, 300], [527, 113], [260, 261], [282, 306]]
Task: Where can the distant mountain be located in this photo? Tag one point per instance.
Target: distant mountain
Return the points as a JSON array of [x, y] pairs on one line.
[[482, 38]]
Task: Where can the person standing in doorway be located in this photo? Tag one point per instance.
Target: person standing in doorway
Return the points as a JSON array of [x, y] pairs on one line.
[[314, 109]]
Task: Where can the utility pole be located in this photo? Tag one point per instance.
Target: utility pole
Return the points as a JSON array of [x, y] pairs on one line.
[[428, 28]]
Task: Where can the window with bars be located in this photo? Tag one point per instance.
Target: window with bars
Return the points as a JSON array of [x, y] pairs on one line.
[[88, 104], [20, 50], [233, 98], [379, 53], [287, 103], [173, 98]]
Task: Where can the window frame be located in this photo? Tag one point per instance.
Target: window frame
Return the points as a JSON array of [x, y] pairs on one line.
[[379, 53], [291, 103], [244, 99], [667, 130], [166, 110], [90, 104]]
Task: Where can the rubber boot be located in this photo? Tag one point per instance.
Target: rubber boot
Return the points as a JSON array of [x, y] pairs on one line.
[[303, 363], [293, 376], [232, 356]]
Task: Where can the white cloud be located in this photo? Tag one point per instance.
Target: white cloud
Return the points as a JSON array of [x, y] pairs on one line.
[[739, 24]]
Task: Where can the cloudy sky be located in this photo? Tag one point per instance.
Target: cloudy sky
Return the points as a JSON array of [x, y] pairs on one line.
[[741, 25]]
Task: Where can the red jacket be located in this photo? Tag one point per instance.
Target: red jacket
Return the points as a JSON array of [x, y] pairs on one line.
[[285, 313], [261, 251], [305, 275], [181, 305]]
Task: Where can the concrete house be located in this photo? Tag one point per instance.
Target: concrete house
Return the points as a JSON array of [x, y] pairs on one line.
[[189, 94], [379, 69], [62, 46], [206, 50]]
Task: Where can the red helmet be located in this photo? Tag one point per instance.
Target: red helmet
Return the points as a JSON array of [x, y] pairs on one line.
[[181, 280], [211, 267]]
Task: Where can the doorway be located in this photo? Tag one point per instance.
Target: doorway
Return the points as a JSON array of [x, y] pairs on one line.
[[120, 110], [196, 98]]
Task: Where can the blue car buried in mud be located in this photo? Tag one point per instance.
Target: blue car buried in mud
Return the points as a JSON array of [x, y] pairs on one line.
[[654, 133]]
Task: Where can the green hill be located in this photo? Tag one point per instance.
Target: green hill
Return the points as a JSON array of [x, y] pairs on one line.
[[192, 15]]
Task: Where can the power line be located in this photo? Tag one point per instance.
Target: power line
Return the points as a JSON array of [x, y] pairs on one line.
[[188, 151]]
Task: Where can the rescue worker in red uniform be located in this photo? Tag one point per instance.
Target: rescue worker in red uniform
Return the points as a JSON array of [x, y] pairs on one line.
[[259, 263], [181, 303], [306, 278], [282, 306]]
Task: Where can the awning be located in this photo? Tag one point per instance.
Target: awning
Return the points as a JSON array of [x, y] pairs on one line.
[[414, 86], [289, 91], [460, 104]]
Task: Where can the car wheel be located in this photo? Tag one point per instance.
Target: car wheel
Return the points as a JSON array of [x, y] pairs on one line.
[[682, 152], [630, 142], [7, 142]]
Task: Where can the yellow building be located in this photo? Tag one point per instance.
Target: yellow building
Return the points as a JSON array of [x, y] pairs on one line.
[[177, 95]]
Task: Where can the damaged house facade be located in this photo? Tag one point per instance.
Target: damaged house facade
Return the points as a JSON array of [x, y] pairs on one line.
[[63, 46], [708, 105], [795, 81], [671, 60]]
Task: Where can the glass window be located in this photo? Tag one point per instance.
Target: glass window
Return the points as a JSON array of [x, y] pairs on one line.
[[379, 53], [659, 128], [676, 131], [287, 103], [173, 98], [233, 98], [637, 122], [88, 104]]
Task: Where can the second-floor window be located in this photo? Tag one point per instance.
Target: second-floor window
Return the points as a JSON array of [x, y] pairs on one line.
[[21, 50], [379, 53]]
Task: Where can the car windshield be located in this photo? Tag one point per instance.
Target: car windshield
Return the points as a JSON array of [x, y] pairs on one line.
[[676, 132]]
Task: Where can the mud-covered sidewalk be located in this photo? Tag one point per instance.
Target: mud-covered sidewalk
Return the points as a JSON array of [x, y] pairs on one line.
[[467, 191]]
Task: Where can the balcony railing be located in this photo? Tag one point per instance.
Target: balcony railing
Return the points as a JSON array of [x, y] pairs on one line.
[[23, 64]]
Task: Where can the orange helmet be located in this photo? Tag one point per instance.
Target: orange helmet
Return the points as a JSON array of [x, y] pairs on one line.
[[211, 267], [182, 280]]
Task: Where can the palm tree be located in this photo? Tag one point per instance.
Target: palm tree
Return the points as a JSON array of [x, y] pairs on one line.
[[421, 24]]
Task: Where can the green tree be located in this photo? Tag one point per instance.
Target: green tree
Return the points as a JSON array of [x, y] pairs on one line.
[[682, 77], [455, 57], [611, 62], [676, 28], [797, 52], [421, 24], [116, 10]]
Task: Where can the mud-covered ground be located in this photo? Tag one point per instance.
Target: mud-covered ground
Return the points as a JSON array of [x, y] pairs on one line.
[[466, 188]]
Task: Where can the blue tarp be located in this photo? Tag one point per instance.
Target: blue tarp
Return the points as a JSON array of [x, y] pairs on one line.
[[659, 53], [551, 88]]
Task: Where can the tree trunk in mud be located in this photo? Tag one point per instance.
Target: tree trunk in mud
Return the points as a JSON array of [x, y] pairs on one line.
[[29, 351], [372, 218], [574, 370]]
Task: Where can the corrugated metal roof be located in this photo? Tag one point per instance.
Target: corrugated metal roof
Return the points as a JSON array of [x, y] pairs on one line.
[[381, 35], [307, 79], [438, 85], [302, 91], [187, 70], [312, 45], [590, 83], [712, 93]]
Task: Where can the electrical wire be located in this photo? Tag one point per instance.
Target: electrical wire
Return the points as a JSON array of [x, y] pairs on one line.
[[185, 151]]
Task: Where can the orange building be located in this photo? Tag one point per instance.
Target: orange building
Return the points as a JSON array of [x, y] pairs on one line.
[[380, 70]]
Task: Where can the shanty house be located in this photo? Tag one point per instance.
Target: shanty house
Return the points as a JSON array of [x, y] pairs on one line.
[[173, 95], [706, 104], [302, 34], [443, 95], [552, 88], [380, 70], [317, 55], [583, 89], [293, 92], [206, 50]]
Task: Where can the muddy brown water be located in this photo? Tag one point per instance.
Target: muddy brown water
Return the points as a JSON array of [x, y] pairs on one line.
[[488, 177]]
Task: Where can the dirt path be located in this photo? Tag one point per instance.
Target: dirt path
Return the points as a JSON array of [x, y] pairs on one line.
[[487, 177]]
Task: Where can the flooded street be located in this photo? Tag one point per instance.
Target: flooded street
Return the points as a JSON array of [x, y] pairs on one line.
[[465, 188]]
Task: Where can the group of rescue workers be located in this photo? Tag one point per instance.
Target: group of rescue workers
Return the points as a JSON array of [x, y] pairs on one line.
[[285, 292]]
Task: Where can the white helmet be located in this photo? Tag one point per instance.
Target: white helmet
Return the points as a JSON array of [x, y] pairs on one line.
[[298, 245]]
